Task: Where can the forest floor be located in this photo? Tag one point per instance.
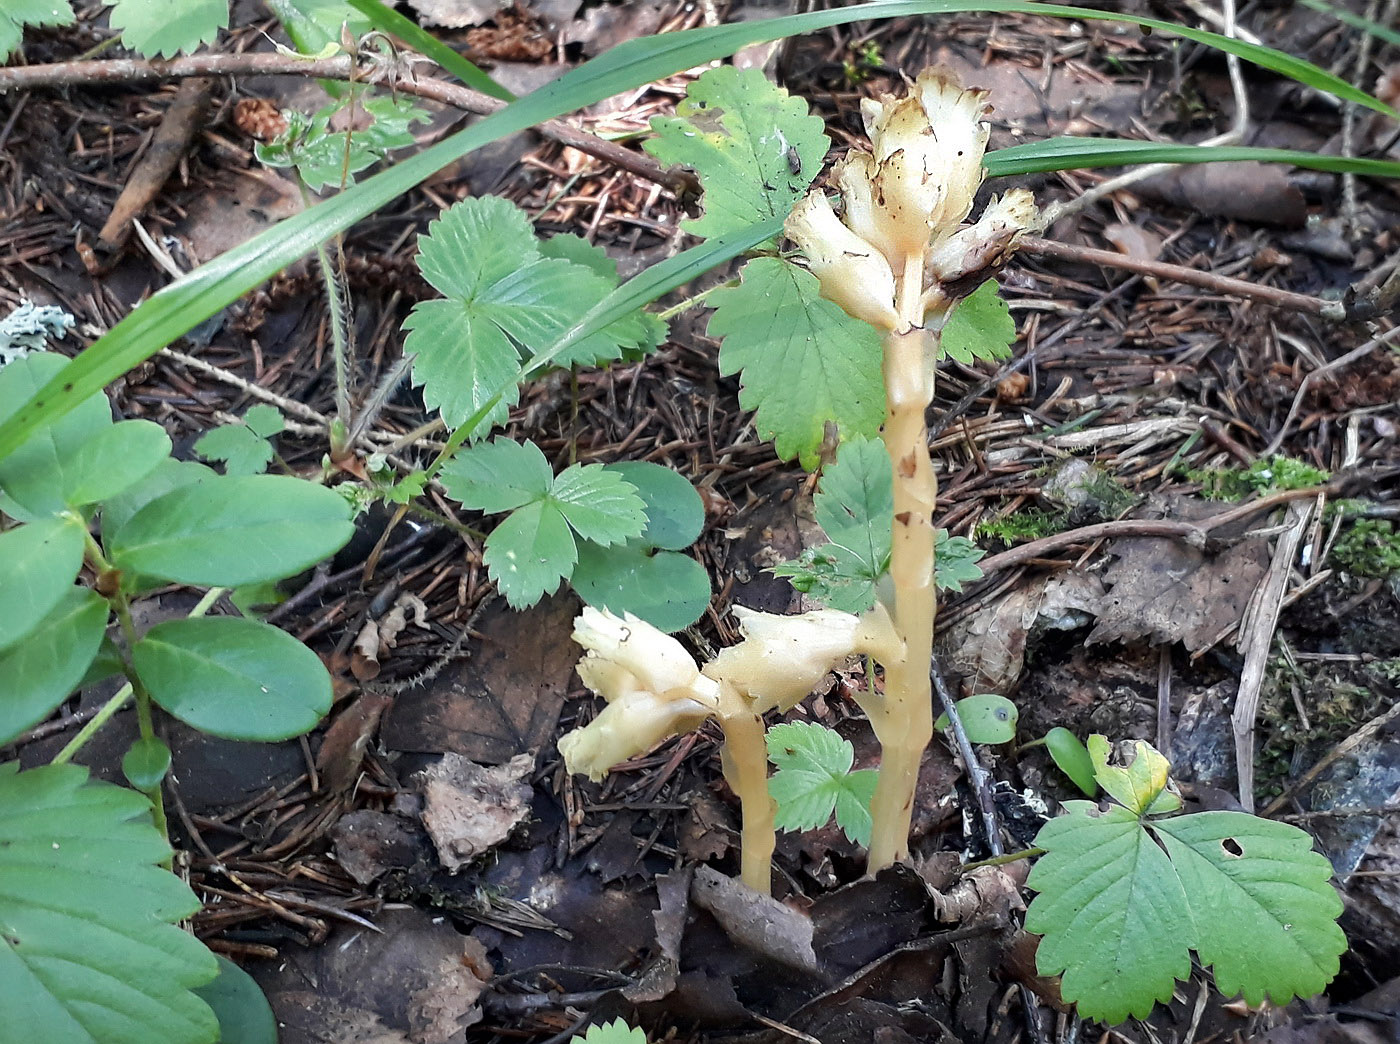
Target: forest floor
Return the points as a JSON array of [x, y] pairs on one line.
[[1132, 396]]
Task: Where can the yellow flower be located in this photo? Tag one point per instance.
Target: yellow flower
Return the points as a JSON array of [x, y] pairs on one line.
[[782, 658], [632, 723]]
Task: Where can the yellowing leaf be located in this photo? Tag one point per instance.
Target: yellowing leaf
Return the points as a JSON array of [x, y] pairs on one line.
[[1141, 785]]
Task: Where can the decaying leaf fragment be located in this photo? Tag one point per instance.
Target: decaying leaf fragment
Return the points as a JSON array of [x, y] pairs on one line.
[[470, 808]]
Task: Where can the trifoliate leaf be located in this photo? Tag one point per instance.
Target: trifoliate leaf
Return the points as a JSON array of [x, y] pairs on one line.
[[244, 448], [20, 13], [1112, 912], [499, 475], [804, 362], [534, 547], [90, 950], [955, 561], [755, 147], [164, 28], [502, 298], [652, 329], [615, 1032], [1120, 915], [324, 156], [814, 780], [980, 327]]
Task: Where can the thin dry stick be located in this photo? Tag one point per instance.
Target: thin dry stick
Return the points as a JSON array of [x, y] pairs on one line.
[[133, 70], [1305, 303], [1258, 638]]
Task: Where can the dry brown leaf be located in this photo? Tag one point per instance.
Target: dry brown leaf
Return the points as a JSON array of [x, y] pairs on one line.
[[455, 14], [469, 809], [756, 921]]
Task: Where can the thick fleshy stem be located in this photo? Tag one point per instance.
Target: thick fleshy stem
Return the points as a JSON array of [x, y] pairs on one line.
[[904, 722], [744, 760]]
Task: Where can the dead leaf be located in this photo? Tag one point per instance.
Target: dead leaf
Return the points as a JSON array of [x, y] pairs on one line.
[[1166, 591], [470, 809], [417, 983], [707, 829], [756, 921], [503, 701], [1134, 240], [1258, 193], [369, 844]]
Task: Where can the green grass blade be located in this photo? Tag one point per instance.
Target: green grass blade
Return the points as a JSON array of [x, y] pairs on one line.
[[1080, 153], [1341, 14], [389, 21], [640, 290], [189, 301]]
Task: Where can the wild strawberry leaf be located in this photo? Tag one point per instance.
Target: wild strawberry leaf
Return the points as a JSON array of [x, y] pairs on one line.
[[1125, 898], [981, 327], [324, 156], [164, 28], [814, 781], [534, 547], [504, 298], [804, 363], [754, 147], [615, 1032]]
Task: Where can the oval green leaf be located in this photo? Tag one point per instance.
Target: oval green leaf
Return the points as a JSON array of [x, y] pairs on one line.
[[666, 589], [40, 672], [146, 762], [168, 474], [675, 513], [39, 473], [226, 532], [239, 679], [91, 950], [1072, 757], [244, 1015], [114, 460], [986, 718], [38, 563]]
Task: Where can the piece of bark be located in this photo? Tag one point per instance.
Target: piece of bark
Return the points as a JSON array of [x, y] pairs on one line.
[[171, 140]]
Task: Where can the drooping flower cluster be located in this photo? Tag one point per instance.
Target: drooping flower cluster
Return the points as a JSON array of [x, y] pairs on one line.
[[655, 689], [906, 202]]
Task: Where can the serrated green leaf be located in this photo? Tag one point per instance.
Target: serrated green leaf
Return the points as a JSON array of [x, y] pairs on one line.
[[1073, 759], [814, 781], [38, 474], [116, 459], [235, 678], [804, 362], [501, 298], [164, 28], [1265, 914], [955, 561], [980, 327], [242, 450], [90, 953], [600, 505], [38, 563], [1137, 785], [1120, 915], [667, 589], [264, 420], [43, 670], [675, 513], [1112, 912], [986, 718], [499, 475], [755, 147], [530, 552], [615, 1032], [225, 531], [20, 13]]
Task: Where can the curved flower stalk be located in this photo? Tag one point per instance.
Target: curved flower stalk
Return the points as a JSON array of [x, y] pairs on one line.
[[655, 690], [899, 257]]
